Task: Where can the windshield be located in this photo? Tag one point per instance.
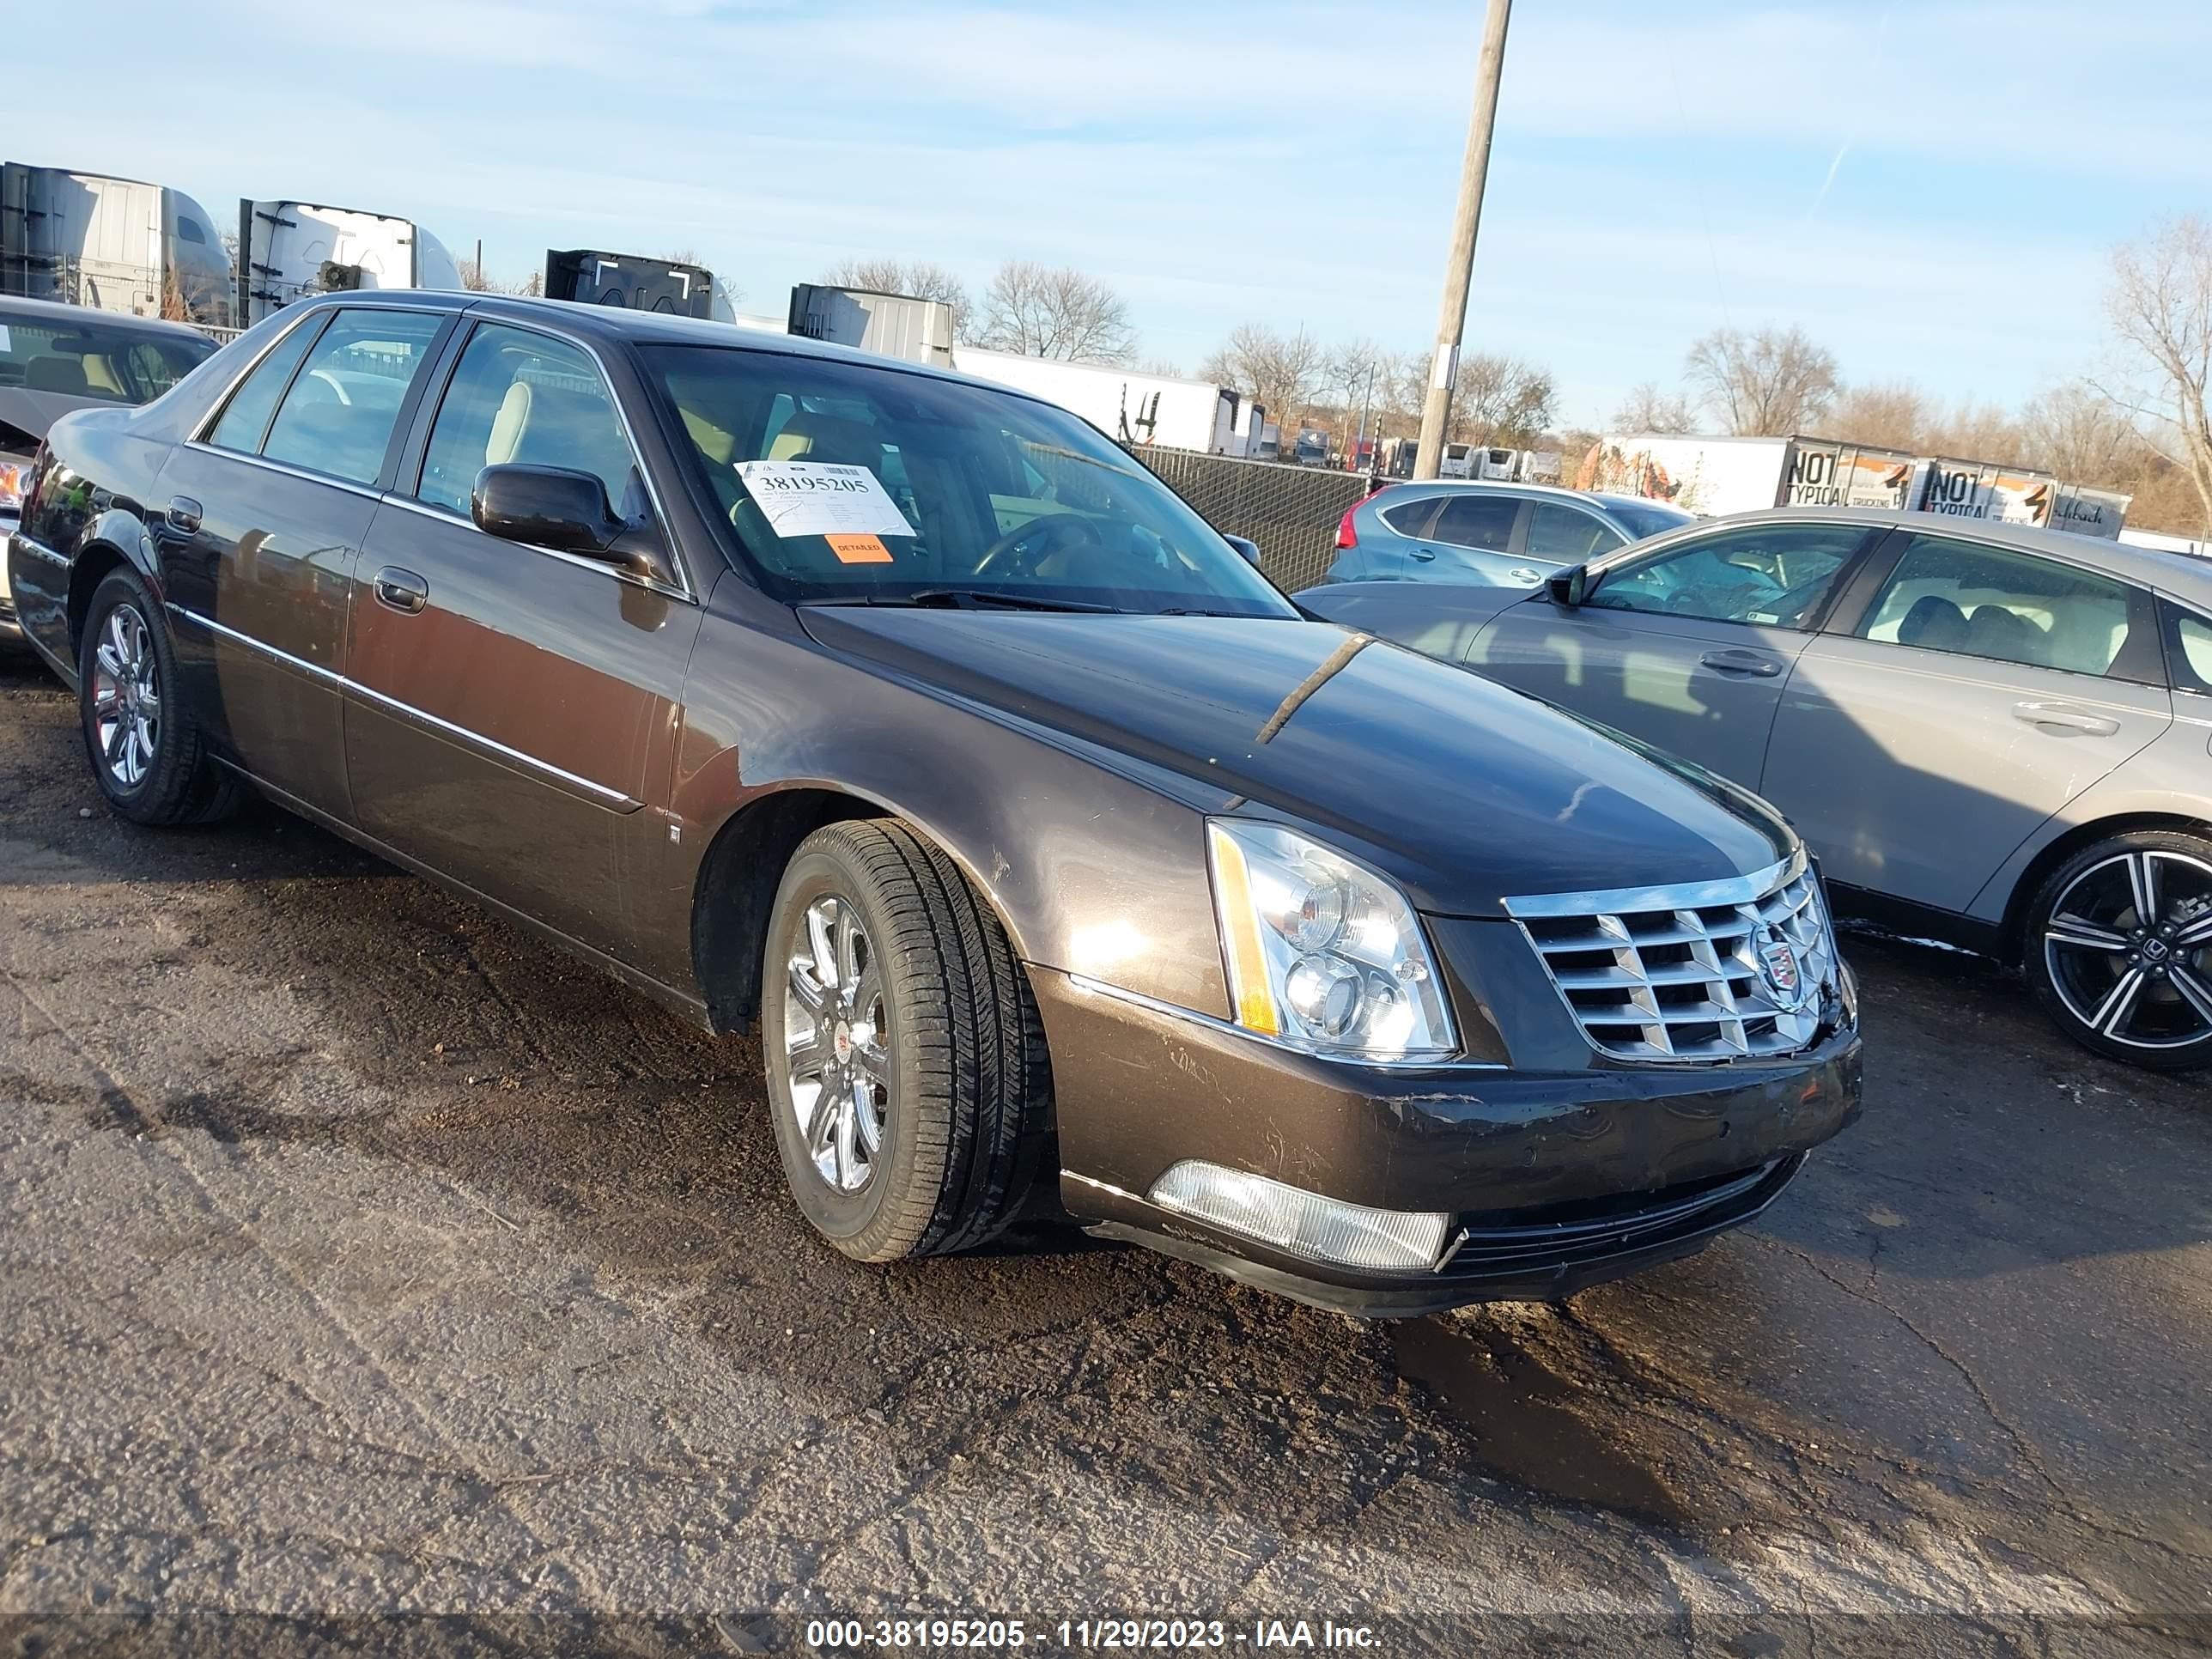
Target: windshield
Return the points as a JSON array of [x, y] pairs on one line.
[[850, 482], [1642, 519], [88, 358]]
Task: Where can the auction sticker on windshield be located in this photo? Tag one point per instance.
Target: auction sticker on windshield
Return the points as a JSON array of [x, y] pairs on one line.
[[821, 498]]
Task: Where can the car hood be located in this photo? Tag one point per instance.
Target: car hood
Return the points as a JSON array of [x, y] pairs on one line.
[[1466, 791]]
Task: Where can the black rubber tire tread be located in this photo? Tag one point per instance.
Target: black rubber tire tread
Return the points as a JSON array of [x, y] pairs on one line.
[[2192, 1058], [968, 1016], [186, 786]]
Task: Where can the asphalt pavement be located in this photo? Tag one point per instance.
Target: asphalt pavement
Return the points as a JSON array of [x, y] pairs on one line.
[[374, 1278]]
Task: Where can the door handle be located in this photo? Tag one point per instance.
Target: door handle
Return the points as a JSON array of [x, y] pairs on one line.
[[182, 515], [1741, 662], [2058, 717], [402, 590], [1423, 554]]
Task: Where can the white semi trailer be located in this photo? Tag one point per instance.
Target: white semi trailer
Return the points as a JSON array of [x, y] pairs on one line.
[[291, 250], [1134, 408], [116, 244]]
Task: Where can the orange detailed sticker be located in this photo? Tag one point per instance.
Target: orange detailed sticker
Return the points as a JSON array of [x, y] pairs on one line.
[[859, 550]]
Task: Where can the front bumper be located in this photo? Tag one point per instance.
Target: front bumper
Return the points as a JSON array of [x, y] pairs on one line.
[[1554, 1180]]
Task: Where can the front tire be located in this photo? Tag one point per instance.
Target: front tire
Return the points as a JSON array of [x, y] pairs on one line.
[[2118, 948], [145, 746], [907, 1072]]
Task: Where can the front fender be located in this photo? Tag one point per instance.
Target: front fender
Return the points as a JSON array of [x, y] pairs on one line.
[[1091, 872]]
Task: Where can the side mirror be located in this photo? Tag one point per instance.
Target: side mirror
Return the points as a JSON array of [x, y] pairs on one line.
[[1569, 587], [554, 507], [1248, 551]]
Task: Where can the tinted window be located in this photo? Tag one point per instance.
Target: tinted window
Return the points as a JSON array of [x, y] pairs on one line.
[[1775, 575], [1567, 535], [338, 415], [2007, 607], [251, 405], [529, 399], [93, 359], [1480, 522], [1409, 518], [846, 481], [188, 230]]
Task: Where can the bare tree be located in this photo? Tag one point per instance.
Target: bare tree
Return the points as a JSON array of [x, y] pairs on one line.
[[1056, 311], [1496, 399], [1769, 384], [2160, 303], [1282, 371], [920, 279], [2083, 436], [1980, 432], [1353, 371], [1894, 415], [1647, 409]]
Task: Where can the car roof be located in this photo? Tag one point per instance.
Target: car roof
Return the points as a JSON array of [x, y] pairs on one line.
[[1477, 486], [613, 324], [50, 311], [2182, 574]]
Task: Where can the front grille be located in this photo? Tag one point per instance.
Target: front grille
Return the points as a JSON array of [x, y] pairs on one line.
[[1697, 972]]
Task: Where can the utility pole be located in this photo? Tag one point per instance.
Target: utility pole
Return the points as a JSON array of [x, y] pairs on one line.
[[1459, 267]]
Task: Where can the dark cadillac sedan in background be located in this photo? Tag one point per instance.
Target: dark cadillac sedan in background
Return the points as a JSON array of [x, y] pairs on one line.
[[1058, 859]]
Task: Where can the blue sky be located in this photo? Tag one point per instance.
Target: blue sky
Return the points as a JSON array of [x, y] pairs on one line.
[[1929, 188]]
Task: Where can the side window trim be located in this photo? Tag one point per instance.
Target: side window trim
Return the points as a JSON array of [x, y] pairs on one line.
[[314, 325], [1855, 594], [410, 402]]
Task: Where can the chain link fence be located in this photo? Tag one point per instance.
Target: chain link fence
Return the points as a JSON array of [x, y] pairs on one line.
[[1291, 512]]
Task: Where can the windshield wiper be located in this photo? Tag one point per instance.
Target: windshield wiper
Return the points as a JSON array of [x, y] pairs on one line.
[[974, 598]]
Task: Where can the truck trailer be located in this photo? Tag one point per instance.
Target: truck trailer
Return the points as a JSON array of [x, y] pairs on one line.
[[119, 245], [1136, 409], [594, 278], [1717, 476], [291, 250]]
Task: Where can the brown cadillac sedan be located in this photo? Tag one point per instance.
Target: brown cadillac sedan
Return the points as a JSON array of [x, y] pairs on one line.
[[1061, 862]]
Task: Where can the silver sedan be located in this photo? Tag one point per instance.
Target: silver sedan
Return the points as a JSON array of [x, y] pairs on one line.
[[1991, 736]]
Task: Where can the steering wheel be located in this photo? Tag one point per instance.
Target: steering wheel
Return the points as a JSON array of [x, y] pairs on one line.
[[1000, 558]]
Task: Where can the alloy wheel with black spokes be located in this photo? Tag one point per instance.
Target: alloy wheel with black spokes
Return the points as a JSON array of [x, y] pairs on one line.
[[140, 731], [907, 1076], [2121, 948], [834, 1041], [126, 697]]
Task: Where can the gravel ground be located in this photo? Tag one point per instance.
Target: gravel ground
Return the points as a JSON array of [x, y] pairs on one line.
[[372, 1277]]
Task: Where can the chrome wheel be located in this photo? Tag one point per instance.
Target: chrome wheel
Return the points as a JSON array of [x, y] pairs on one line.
[[833, 1043], [2125, 946], [126, 697]]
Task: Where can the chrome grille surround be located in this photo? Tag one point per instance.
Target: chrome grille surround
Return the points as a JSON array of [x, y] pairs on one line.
[[1675, 973]]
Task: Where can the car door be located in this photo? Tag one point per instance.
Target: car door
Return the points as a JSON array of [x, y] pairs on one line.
[[1979, 689], [260, 518], [512, 708], [1686, 647], [1472, 538]]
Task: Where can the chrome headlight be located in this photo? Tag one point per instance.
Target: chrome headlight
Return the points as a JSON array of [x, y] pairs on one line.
[[1323, 954]]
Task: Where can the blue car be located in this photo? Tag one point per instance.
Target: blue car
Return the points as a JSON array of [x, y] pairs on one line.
[[1506, 535]]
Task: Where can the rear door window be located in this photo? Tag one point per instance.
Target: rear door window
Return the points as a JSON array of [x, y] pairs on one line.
[[1483, 522], [246, 416], [1977, 601], [338, 414]]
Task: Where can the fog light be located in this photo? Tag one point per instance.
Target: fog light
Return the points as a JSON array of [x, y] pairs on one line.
[[1302, 1223]]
